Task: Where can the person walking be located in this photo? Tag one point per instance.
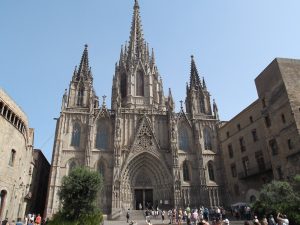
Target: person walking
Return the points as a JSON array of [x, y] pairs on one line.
[[128, 215], [163, 216]]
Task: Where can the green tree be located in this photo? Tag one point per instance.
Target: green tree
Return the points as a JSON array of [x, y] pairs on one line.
[[78, 195], [279, 196], [79, 191]]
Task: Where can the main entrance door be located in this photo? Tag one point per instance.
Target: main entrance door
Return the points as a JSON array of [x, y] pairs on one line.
[[143, 197]]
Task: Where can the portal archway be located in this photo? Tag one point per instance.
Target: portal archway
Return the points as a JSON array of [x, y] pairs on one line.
[[145, 180], [3, 196]]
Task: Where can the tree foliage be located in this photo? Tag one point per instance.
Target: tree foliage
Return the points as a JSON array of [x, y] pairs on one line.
[[78, 195], [280, 196]]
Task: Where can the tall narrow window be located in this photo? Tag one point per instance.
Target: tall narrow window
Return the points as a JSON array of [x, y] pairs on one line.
[[3, 195], [186, 174], [211, 174], [75, 141], [12, 157], [267, 121], [273, 146], [72, 166], [140, 83], [242, 144], [290, 144], [283, 118], [233, 170], [123, 85], [254, 135], [102, 138], [80, 96], [260, 161], [245, 161], [207, 138], [183, 139], [101, 169]]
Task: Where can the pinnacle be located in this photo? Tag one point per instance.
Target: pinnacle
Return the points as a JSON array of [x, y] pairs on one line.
[[84, 68]]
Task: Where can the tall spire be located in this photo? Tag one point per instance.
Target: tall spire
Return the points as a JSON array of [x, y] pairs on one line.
[[194, 77], [84, 70], [136, 40]]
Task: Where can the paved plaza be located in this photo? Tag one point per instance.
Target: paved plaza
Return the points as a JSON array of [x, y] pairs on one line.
[[156, 222]]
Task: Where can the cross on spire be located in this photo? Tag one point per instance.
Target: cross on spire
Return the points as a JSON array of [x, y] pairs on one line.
[[103, 100]]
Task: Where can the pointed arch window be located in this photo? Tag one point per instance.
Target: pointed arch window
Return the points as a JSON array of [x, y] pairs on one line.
[[3, 195], [72, 166], [140, 83], [75, 141], [183, 139], [102, 138], [101, 169], [207, 138], [186, 172], [123, 85], [80, 95], [211, 174]]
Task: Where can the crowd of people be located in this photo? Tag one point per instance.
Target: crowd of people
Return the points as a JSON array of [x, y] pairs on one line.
[[30, 219], [212, 216]]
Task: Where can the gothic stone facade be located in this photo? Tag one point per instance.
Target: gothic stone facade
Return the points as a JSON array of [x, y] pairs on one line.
[[145, 151]]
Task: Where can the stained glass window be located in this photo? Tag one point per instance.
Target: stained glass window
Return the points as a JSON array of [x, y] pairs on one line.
[[75, 141], [102, 138], [183, 139]]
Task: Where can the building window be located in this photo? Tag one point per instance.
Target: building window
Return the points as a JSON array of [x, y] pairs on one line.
[[273, 146], [102, 137], [185, 170], [101, 169], [72, 166], [239, 126], [254, 135], [123, 85], [227, 134], [283, 118], [230, 151], [75, 141], [267, 121], [140, 84], [290, 144], [245, 162], [207, 138], [260, 161], [252, 199], [80, 96], [251, 119], [3, 195], [211, 174], [233, 170], [242, 144], [12, 157], [183, 139]]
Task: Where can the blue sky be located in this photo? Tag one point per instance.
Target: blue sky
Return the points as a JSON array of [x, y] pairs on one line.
[[232, 41]]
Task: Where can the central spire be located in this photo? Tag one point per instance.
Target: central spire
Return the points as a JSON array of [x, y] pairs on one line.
[[136, 39]]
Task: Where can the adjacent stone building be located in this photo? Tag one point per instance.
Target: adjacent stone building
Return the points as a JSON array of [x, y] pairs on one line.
[[146, 152], [16, 141], [262, 142]]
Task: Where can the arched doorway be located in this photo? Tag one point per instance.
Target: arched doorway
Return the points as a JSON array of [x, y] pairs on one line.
[[146, 181], [3, 195]]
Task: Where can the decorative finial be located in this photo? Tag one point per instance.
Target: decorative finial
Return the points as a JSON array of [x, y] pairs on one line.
[[103, 103], [192, 56], [181, 104], [86, 45]]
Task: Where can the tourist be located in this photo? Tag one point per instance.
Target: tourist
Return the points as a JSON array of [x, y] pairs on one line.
[[264, 220], [271, 220], [30, 222], [170, 216], [163, 216], [19, 222], [147, 214], [5, 222], [206, 214], [12, 222], [127, 215], [282, 219], [140, 206], [179, 216], [38, 219]]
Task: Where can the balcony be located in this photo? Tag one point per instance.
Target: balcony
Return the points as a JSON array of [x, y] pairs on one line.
[[254, 171]]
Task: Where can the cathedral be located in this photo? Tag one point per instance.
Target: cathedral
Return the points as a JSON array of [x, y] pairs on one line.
[[147, 153]]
